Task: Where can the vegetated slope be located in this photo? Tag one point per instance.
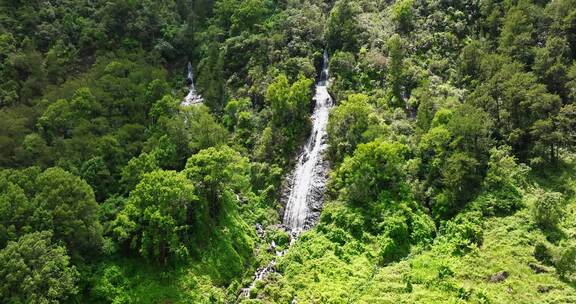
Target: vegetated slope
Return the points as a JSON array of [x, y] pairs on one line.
[[149, 201], [451, 146]]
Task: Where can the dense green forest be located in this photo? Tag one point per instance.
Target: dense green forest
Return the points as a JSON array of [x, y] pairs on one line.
[[452, 147]]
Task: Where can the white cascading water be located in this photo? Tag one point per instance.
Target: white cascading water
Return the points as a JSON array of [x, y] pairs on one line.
[[193, 97], [309, 177], [308, 180]]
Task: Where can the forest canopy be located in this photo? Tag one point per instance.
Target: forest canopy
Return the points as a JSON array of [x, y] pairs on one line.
[[450, 146]]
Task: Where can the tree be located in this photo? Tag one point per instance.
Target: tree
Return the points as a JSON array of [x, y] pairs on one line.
[[374, 168], [248, 14], [202, 129], [515, 101], [566, 263], [460, 179], [372, 182], [347, 124], [218, 174], [159, 217], [65, 204], [33, 270], [211, 78], [95, 172], [551, 65], [290, 106], [34, 150], [471, 127], [58, 61], [164, 107], [342, 29], [452, 155], [52, 200], [396, 69], [517, 36], [289, 102], [15, 209], [567, 125], [464, 231], [503, 183], [402, 14], [135, 170], [241, 118]]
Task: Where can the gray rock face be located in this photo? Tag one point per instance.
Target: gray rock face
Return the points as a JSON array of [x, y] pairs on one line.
[[304, 191]]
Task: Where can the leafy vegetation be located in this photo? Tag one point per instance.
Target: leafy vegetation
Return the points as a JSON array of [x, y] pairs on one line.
[[451, 143]]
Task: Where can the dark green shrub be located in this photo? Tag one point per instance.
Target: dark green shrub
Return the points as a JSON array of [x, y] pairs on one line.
[[566, 263], [542, 253]]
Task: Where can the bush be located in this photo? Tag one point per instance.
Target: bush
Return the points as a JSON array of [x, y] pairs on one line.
[[542, 253], [546, 208], [464, 231], [112, 286], [566, 263], [502, 185], [395, 242]]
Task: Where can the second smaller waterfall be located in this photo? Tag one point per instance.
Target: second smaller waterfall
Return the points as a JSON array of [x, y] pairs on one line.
[[193, 97]]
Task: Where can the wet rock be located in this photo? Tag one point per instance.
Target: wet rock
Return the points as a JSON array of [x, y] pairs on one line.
[[259, 230], [498, 277]]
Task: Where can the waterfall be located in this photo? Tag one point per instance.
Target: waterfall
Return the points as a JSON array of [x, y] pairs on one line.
[[193, 97], [306, 191]]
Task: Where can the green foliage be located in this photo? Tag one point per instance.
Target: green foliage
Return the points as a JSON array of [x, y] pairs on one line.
[[158, 219], [547, 208], [95, 172], [464, 232], [396, 69], [347, 126], [289, 106], [342, 27], [542, 253], [517, 34], [136, 168], [34, 270], [566, 263], [203, 129], [372, 182], [502, 186], [452, 153], [221, 178], [65, 204], [52, 200], [217, 173], [112, 286], [375, 169], [402, 14], [248, 14], [518, 92], [430, 95]]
